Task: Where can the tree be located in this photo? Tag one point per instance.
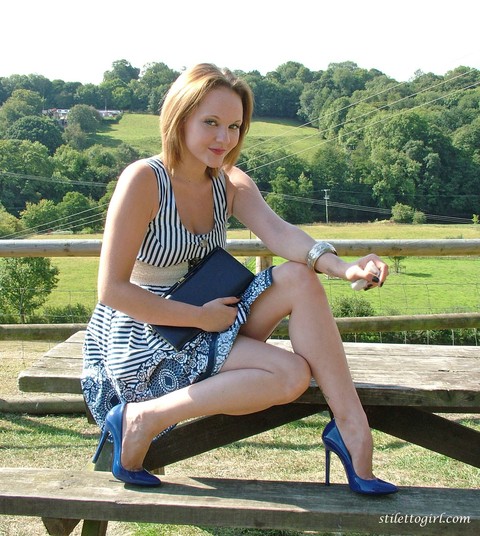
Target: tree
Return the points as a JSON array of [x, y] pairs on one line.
[[25, 168], [75, 137], [9, 225], [402, 213], [22, 103], [89, 95], [33, 128], [332, 169], [77, 212], [63, 94], [258, 162], [285, 198], [40, 217], [153, 84], [116, 94], [292, 71], [393, 177], [122, 70], [26, 283], [467, 138], [86, 117], [275, 99]]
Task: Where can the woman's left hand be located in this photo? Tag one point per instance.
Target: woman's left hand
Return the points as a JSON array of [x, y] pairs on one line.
[[358, 270]]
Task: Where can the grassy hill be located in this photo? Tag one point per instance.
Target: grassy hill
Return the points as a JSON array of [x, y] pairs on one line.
[[138, 130], [142, 132]]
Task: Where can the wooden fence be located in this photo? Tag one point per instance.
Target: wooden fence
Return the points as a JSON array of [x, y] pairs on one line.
[[255, 248]]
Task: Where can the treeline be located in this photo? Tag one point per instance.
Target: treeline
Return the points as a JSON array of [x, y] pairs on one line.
[[381, 144]]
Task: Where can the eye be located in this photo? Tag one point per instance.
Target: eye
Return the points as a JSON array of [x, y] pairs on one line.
[[210, 122], [235, 126]]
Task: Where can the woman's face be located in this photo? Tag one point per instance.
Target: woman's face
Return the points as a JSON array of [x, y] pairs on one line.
[[213, 129]]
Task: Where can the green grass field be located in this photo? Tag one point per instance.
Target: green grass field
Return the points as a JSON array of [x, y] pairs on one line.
[[270, 134], [424, 284], [142, 132]]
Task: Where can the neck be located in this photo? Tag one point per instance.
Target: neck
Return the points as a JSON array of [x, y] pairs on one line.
[[191, 174]]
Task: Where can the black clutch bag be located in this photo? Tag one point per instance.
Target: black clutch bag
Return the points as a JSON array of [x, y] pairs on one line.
[[217, 275]]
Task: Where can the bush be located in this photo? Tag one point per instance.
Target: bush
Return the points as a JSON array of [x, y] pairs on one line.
[[406, 214], [402, 213], [419, 217], [67, 314], [352, 305]]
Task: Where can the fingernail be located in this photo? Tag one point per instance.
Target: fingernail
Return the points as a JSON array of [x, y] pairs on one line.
[[375, 279], [381, 284]]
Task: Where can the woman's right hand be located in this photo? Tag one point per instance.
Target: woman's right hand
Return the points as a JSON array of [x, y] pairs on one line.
[[219, 314]]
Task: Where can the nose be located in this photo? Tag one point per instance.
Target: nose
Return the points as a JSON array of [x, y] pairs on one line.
[[223, 135]]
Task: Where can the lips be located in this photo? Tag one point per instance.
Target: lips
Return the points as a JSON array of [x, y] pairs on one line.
[[218, 152]]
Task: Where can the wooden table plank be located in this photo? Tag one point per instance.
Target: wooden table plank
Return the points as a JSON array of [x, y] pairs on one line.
[[439, 377], [427, 430], [238, 503]]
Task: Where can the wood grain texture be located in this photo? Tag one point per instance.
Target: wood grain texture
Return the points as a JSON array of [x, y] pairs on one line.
[[237, 503]]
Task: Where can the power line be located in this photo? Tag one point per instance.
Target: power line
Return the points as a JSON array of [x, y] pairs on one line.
[[380, 121], [55, 180], [73, 221], [351, 105], [362, 208]]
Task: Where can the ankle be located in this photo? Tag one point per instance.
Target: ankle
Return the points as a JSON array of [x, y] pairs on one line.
[[359, 442], [135, 439]]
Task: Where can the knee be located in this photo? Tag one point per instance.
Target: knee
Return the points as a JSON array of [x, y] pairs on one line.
[[295, 380], [296, 275]]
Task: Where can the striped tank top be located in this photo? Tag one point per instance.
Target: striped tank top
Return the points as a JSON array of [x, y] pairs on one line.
[[167, 241]]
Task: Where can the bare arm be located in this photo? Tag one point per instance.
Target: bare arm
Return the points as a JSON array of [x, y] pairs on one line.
[[285, 239], [133, 205]]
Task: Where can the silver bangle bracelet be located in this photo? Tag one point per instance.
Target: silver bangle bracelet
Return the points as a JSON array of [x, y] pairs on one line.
[[318, 249]]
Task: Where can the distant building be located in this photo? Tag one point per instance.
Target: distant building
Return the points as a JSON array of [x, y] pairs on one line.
[[61, 114]]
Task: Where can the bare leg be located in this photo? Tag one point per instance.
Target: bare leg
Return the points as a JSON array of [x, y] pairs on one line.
[[256, 376], [314, 335]]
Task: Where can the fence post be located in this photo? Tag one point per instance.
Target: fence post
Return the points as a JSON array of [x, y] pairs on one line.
[[261, 263]]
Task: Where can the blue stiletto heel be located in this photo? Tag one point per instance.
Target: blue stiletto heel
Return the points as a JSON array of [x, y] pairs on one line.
[[333, 442], [113, 427]]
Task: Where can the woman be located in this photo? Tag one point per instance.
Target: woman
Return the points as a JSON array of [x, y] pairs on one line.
[[172, 209]]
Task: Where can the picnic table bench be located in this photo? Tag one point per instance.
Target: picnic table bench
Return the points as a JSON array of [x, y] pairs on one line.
[[98, 498], [403, 388]]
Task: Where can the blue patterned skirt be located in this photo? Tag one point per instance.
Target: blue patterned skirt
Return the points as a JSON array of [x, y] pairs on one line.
[[126, 361]]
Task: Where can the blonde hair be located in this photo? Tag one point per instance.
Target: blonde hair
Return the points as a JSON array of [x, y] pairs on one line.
[[185, 95]]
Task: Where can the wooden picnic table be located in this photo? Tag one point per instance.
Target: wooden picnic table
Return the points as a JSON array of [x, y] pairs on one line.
[[403, 387]]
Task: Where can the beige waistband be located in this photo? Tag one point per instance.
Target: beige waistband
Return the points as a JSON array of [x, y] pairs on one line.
[[146, 274]]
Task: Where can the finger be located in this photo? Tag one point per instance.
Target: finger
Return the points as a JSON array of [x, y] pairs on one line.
[[230, 300]]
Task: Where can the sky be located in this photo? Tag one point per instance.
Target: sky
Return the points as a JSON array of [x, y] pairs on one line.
[[77, 41]]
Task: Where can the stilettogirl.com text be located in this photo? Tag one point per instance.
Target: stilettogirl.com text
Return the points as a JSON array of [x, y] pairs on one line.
[[423, 520]]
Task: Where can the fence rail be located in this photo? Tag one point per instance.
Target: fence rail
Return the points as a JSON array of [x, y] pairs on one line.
[[256, 248]]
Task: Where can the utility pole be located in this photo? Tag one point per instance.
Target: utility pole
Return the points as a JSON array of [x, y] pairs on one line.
[[326, 197]]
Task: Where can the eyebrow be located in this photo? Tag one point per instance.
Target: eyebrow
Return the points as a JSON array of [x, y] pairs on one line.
[[214, 116]]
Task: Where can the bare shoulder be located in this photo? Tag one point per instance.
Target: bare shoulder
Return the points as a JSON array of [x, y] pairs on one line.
[[237, 177], [239, 186], [137, 186], [137, 173]]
